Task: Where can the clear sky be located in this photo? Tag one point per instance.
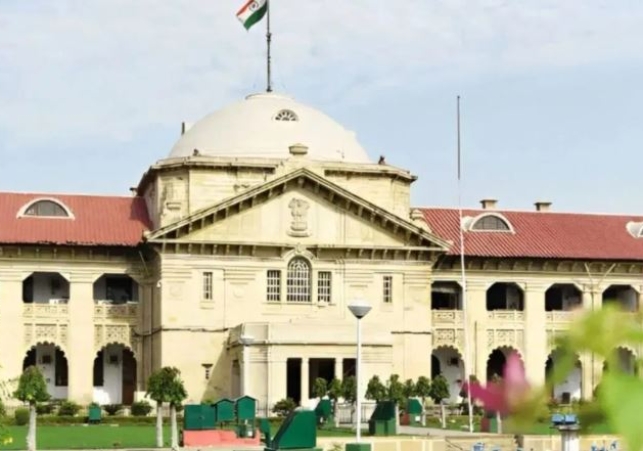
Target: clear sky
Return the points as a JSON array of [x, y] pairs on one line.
[[93, 91]]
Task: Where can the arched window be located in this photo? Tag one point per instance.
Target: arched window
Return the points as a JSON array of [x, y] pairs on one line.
[[46, 208], [491, 222], [286, 116], [298, 281]]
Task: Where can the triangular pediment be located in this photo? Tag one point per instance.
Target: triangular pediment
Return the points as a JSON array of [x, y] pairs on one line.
[[299, 207]]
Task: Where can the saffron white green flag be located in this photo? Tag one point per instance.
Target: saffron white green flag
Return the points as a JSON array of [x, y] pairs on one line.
[[252, 12]]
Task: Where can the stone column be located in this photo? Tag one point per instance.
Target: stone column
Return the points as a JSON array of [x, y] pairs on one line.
[[339, 368], [81, 349], [12, 325], [305, 383], [476, 305], [535, 338]]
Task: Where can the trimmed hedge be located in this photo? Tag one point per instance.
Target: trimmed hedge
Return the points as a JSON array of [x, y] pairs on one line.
[[49, 420]]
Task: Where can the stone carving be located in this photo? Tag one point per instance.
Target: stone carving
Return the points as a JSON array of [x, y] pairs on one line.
[[299, 211]]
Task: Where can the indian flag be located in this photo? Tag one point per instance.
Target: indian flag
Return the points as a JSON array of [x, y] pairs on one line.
[[252, 12]]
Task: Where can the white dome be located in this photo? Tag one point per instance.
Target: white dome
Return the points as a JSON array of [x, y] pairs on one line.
[[265, 126]]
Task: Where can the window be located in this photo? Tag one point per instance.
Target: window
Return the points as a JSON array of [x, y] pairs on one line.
[[273, 286], [46, 208], [286, 116], [387, 289], [324, 282], [298, 281], [207, 286], [491, 223]]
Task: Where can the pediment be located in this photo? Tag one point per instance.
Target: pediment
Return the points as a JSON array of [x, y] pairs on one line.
[[300, 207]]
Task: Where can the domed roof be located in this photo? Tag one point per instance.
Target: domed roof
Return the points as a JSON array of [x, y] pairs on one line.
[[265, 126]]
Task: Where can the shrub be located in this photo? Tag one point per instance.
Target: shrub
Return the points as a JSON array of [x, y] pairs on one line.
[[113, 409], [68, 409], [3, 409], [45, 409], [284, 407], [21, 416], [141, 408]]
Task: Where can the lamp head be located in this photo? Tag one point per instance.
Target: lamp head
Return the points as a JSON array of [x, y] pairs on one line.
[[359, 308]]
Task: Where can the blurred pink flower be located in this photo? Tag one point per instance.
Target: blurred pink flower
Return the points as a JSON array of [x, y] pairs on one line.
[[503, 396]]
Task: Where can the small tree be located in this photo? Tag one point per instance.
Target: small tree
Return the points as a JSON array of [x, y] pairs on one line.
[[165, 385], [409, 389], [32, 389], [320, 387], [375, 389], [440, 392], [395, 389], [423, 390], [349, 392], [334, 393]]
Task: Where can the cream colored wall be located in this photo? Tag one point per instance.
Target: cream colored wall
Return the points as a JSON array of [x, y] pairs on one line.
[[79, 328], [271, 223], [239, 289], [176, 192], [530, 332]]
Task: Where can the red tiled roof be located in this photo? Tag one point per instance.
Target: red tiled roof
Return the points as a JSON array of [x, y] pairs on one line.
[[98, 221], [542, 235]]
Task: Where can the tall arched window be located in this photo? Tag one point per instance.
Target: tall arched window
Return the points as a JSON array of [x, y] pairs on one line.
[[298, 281]]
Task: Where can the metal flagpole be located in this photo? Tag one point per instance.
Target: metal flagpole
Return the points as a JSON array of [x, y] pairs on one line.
[[467, 353], [268, 40]]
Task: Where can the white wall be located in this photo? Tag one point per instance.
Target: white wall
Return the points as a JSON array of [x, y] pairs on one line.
[[453, 374], [49, 370], [112, 390]]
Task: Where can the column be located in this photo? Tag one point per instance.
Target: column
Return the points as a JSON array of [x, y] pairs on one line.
[[535, 336], [12, 324], [81, 349], [339, 368], [305, 383], [476, 305], [245, 370]]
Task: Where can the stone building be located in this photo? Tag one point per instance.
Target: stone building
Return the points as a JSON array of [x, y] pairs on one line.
[[236, 256]]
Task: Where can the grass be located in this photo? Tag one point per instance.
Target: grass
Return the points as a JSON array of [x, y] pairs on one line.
[[108, 436], [86, 437]]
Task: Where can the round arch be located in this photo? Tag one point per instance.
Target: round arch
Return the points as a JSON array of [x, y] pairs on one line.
[[450, 364], [497, 359], [114, 374]]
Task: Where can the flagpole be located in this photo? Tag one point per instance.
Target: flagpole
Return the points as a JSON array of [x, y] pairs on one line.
[[268, 40], [467, 353]]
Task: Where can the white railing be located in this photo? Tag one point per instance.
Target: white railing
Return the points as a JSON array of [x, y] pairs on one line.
[[129, 310], [559, 316], [447, 316], [37, 310], [506, 315]]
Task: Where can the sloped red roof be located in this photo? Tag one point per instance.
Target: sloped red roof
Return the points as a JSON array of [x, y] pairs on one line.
[[98, 221], [542, 235]]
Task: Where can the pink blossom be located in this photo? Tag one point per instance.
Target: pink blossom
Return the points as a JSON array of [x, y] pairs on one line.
[[506, 395]]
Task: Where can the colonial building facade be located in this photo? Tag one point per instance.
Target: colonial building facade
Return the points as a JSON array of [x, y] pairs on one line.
[[237, 255]]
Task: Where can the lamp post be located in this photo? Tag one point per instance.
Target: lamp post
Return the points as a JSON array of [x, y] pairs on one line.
[[359, 309], [246, 341]]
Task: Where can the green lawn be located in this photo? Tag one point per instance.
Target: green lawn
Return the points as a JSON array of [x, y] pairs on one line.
[[106, 436], [86, 437]]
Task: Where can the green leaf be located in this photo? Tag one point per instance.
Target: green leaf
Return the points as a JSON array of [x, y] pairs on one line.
[[621, 396]]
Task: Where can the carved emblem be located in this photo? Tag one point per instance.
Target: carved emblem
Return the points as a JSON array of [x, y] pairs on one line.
[[299, 211]]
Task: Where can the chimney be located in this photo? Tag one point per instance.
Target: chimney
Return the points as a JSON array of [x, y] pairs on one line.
[[542, 206], [488, 204]]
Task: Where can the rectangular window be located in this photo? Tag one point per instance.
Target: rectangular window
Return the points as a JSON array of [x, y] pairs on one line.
[[324, 279], [387, 289], [207, 286], [273, 286]]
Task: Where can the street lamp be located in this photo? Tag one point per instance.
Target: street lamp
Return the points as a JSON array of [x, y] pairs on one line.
[[359, 308], [246, 341]]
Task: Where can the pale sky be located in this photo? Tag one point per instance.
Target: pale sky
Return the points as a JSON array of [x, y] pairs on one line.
[[93, 91]]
